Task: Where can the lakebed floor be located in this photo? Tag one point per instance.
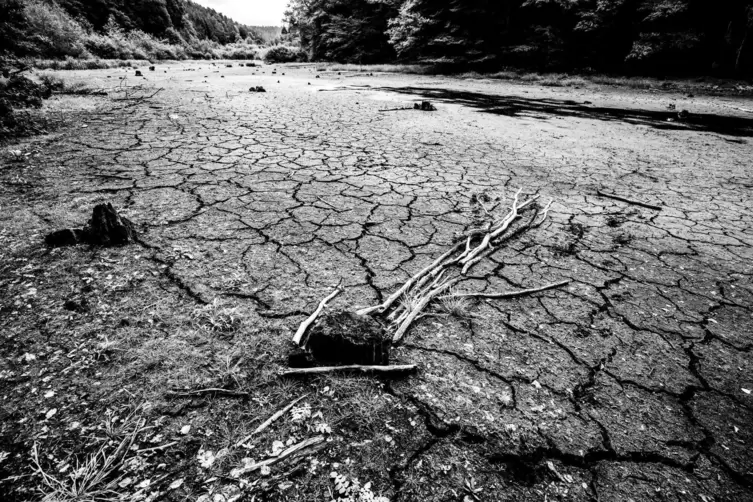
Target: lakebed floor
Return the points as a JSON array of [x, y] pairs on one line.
[[632, 383]]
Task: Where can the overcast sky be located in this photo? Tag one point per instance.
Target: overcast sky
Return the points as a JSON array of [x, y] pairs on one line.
[[253, 12]]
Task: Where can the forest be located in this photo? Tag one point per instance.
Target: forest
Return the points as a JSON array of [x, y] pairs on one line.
[[123, 29], [632, 36]]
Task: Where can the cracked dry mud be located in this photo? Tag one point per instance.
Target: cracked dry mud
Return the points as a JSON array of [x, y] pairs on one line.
[[629, 380]]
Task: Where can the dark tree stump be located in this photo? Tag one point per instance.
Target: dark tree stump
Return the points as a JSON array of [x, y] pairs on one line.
[[105, 228], [108, 228], [424, 106], [348, 338]]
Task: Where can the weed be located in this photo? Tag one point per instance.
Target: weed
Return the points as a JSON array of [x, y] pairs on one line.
[[217, 318], [96, 478]]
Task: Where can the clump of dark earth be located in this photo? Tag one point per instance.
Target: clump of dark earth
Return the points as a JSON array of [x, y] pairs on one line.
[[138, 73], [105, 228], [258, 88], [348, 338], [424, 106], [251, 64], [151, 68]]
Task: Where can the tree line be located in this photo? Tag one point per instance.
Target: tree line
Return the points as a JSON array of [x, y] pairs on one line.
[[142, 29], [642, 36]]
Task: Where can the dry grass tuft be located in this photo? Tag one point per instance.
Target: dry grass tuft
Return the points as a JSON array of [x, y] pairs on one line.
[[97, 477], [456, 306]]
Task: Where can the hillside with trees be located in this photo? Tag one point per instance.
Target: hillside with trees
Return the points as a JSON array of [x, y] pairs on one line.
[[125, 29], [645, 36]]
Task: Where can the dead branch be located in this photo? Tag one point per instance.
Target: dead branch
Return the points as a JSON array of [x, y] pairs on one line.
[[305, 324], [270, 420], [629, 201], [395, 109], [397, 294], [404, 368], [236, 473], [509, 294]]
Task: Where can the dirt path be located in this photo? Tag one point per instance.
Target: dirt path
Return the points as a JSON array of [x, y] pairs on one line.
[[634, 382]]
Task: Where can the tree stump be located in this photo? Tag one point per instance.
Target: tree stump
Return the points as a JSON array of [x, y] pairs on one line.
[[424, 106], [107, 228], [348, 338]]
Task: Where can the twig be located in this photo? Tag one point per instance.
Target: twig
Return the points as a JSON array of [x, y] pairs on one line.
[[305, 324], [509, 294], [403, 368], [236, 473], [270, 420], [201, 392], [629, 201], [395, 109], [154, 448]]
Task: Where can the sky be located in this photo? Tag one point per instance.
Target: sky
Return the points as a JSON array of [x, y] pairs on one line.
[[251, 12]]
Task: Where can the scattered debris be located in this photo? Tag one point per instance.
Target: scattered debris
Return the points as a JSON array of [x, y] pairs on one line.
[[105, 228], [298, 447], [270, 420]]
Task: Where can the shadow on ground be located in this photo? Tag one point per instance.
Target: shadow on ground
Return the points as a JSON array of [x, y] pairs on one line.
[[516, 106]]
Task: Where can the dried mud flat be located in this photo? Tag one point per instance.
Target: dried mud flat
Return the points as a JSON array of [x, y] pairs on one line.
[[632, 383]]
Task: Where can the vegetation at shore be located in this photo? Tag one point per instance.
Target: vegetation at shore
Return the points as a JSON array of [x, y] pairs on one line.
[[638, 36], [119, 29]]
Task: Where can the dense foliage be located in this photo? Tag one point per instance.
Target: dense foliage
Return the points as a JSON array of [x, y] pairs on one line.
[[663, 36], [141, 29]]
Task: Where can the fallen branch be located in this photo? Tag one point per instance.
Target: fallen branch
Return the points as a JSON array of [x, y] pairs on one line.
[[509, 294], [403, 368], [305, 324], [394, 109], [629, 201], [240, 471], [270, 420]]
